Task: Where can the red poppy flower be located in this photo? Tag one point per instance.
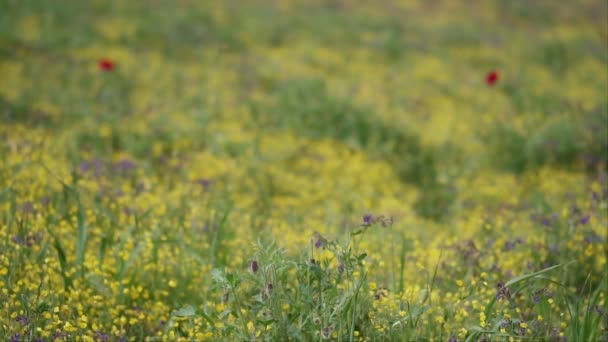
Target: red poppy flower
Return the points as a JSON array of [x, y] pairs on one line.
[[492, 78], [106, 64]]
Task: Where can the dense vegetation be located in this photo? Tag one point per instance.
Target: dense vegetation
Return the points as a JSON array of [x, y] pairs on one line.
[[303, 170]]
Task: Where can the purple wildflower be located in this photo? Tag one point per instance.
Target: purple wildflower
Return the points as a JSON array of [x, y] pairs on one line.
[[84, 167], [368, 219], [94, 165], [502, 292], [592, 237], [99, 336], [204, 183], [584, 220], [15, 338], [45, 200], [124, 165], [319, 240], [23, 320], [452, 339], [27, 207]]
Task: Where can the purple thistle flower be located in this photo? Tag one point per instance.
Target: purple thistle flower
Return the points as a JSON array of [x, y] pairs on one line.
[[584, 220]]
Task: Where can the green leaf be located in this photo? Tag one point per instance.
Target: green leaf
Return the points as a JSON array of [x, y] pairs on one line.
[[82, 235], [531, 275], [233, 280], [186, 311], [357, 232], [361, 257], [206, 317], [218, 276]]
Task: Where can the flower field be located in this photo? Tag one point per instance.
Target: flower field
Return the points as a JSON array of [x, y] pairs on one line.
[[290, 170]]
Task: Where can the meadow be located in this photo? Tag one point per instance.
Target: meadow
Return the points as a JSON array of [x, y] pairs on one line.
[[290, 170]]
